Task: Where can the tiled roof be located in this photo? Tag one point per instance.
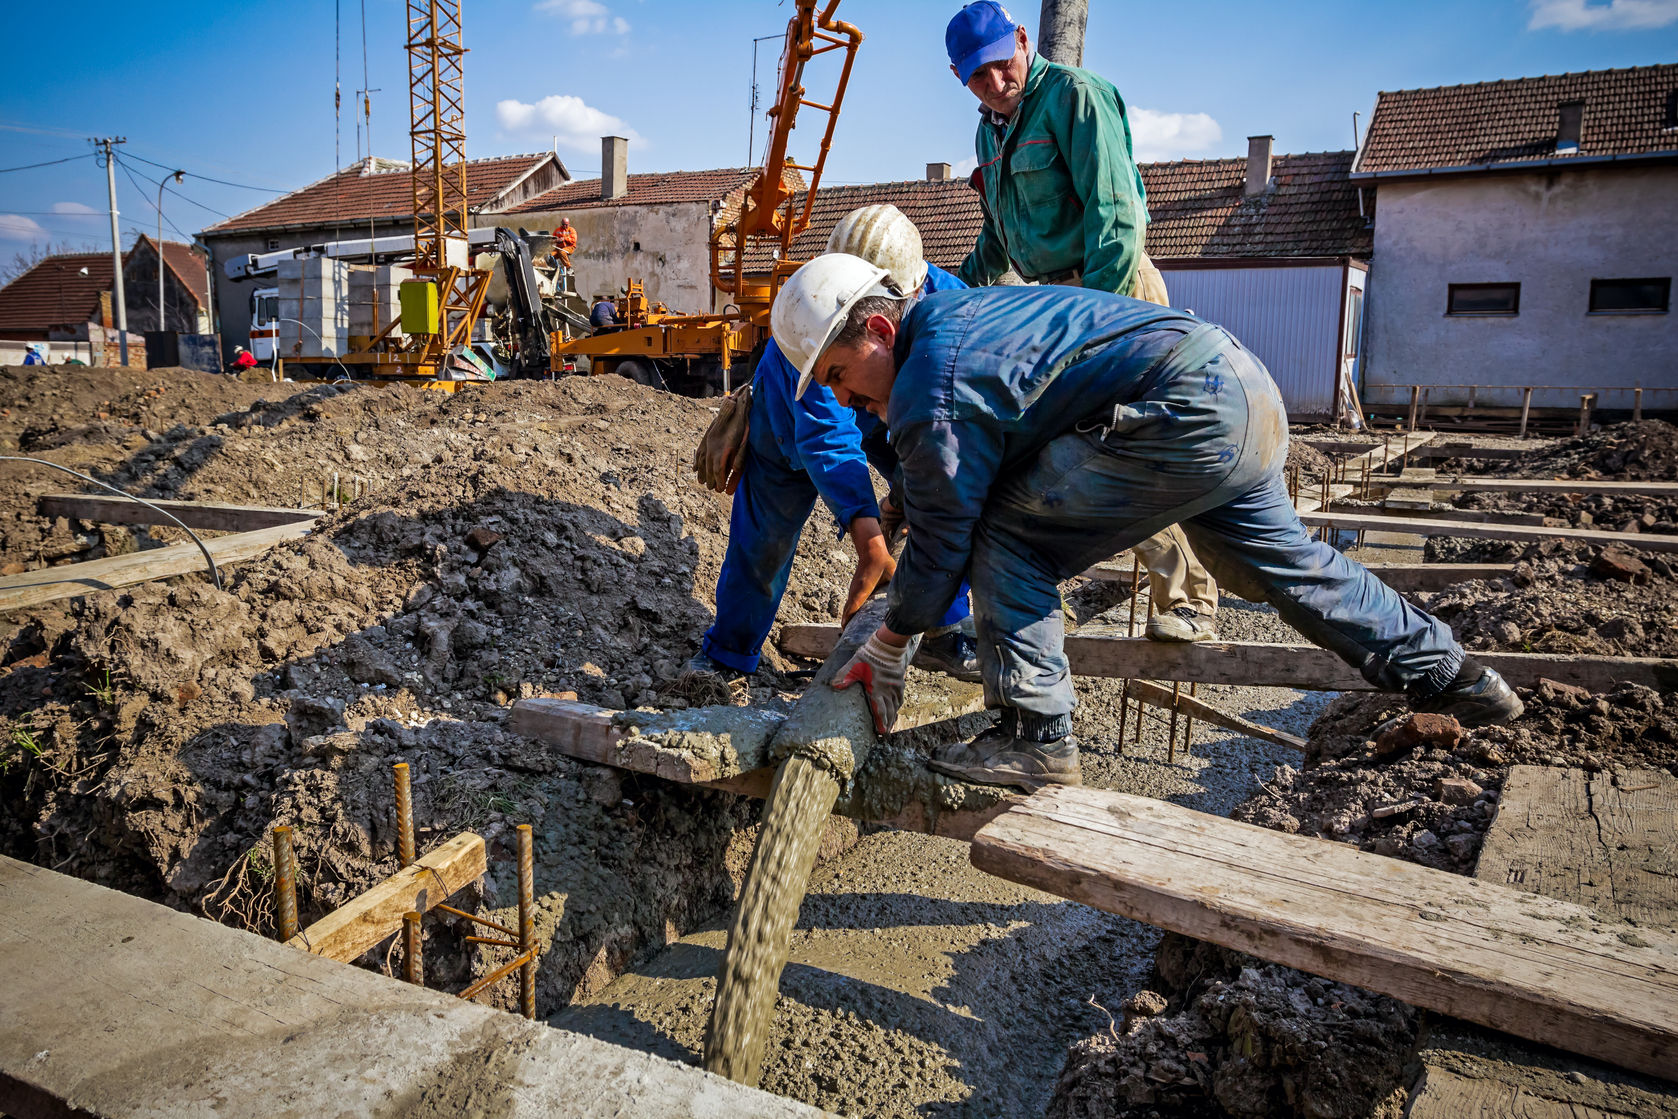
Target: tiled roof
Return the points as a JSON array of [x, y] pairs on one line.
[[1196, 209], [649, 189], [384, 193], [1493, 123], [55, 292], [185, 263]]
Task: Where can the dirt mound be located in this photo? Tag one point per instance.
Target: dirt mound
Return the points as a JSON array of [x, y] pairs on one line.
[[521, 539], [1646, 450], [1310, 462]]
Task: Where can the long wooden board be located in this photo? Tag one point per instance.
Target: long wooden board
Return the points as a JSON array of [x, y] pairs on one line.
[[1422, 526], [111, 510], [1398, 576], [1542, 969], [1602, 840], [1398, 508], [1105, 651], [32, 588], [1472, 483], [368, 918]]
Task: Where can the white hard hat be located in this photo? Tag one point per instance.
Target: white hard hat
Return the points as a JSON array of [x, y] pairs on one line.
[[883, 235], [811, 307]]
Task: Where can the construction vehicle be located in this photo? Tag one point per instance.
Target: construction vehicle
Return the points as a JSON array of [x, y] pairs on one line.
[[700, 355]]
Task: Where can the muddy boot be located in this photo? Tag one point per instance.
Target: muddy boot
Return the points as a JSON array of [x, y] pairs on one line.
[[1478, 697], [704, 682], [1184, 624], [954, 654], [1000, 757]]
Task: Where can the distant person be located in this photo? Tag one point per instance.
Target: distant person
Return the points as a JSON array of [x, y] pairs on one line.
[[35, 353], [243, 359], [603, 316], [565, 242]]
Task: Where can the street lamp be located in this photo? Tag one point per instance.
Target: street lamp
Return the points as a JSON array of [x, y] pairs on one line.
[[178, 176]]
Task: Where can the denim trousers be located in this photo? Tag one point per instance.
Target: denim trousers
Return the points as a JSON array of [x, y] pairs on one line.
[[774, 500], [1205, 449]]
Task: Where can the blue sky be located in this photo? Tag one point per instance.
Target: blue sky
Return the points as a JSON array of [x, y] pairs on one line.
[[244, 92]]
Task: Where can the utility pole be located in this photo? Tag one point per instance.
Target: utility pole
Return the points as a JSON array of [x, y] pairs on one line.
[[1060, 31], [116, 245]]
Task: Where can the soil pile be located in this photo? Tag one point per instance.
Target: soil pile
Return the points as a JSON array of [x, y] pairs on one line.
[[521, 539], [1646, 450]]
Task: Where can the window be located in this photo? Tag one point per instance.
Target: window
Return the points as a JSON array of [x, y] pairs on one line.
[[273, 244], [1631, 297], [1484, 299]]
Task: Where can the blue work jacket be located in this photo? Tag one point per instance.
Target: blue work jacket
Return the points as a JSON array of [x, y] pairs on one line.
[[818, 435], [985, 379]]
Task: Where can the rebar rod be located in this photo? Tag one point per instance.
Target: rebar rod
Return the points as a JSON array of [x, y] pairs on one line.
[[412, 940], [404, 816], [527, 922], [285, 883]]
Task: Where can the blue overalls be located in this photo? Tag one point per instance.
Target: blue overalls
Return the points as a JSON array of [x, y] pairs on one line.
[[1043, 429], [799, 450]]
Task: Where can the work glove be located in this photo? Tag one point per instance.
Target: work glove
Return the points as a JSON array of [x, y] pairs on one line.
[[720, 458], [892, 524], [880, 669]]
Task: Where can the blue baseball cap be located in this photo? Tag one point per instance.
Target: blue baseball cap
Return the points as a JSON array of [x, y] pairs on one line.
[[981, 32]]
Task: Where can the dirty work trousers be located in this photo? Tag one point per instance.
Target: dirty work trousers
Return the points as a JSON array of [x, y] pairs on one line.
[[1204, 449], [774, 500]]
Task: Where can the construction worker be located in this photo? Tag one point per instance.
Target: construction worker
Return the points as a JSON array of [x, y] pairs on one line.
[[808, 448], [1041, 429], [1064, 204], [565, 242], [243, 359], [603, 316]]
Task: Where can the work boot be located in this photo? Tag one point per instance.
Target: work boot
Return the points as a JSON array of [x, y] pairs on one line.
[[1183, 624], [1477, 697], [701, 666], [954, 654], [1000, 757]]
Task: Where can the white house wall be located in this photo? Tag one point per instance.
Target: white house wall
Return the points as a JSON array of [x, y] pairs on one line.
[[1288, 316], [673, 262], [1550, 232]]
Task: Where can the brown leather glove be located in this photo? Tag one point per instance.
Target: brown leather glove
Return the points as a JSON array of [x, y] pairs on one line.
[[720, 458]]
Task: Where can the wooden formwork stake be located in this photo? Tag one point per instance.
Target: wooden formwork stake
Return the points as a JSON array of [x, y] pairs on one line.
[[1526, 409], [1636, 405], [1587, 405], [1415, 395]]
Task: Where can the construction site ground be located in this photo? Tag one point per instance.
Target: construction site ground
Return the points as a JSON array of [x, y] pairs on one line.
[[533, 539]]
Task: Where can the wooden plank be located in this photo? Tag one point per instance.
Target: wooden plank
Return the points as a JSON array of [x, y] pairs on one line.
[[1600, 840], [33, 588], [118, 1007], [111, 510], [1543, 969], [1425, 509], [1419, 526], [1380, 455], [1104, 651], [1480, 484], [1159, 696], [1398, 576], [364, 921]]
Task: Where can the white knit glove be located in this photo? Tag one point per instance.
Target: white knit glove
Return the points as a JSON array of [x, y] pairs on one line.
[[880, 669]]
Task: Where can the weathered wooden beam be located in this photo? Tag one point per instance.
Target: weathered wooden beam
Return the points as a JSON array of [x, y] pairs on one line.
[[365, 920], [112, 510], [1149, 692], [33, 588], [1422, 526], [1105, 651], [1455, 516], [1543, 969], [1472, 483], [1398, 576]]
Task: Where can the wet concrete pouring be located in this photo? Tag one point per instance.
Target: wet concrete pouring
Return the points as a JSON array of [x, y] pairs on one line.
[[546, 540]]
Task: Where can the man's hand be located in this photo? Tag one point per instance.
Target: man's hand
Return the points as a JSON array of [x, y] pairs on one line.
[[891, 523], [879, 666], [874, 564]]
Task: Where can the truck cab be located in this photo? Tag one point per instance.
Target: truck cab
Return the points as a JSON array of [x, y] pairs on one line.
[[265, 323]]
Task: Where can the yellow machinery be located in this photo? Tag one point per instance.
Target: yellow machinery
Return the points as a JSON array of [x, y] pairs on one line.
[[696, 353], [441, 304]]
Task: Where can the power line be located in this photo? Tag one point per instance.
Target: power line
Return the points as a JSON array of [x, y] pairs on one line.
[[133, 179], [173, 191], [206, 178], [48, 163]]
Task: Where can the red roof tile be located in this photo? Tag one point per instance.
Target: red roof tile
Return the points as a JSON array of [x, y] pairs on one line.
[[650, 189], [1494, 123], [1196, 209], [55, 293], [357, 194], [186, 263]]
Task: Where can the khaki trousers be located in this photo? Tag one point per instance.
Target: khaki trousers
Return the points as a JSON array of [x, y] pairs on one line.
[[1176, 577]]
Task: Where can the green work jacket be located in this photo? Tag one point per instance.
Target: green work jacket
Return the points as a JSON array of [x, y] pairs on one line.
[[1060, 187]]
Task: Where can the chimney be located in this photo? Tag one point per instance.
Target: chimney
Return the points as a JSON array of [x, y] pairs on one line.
[[1570, 122], [1258, 165], [614, 167], [938, 173]]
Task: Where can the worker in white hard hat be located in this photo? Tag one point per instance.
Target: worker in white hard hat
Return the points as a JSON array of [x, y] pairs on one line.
[[1041, 429], [802, 450]]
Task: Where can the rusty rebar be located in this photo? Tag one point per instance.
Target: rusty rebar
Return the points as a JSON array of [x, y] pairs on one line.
[[475, 919], [285, 883], [506, 969], [412, 943], [404, 816], [1135, 589], [1124, 711], [1188, 722], [527, 922], [1171, 738]]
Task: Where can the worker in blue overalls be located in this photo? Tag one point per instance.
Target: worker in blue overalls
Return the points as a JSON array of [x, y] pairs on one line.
[[801, 449], [1043, 429]]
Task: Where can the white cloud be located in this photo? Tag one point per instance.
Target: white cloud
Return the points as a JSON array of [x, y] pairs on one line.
[[76, 210], [16, 227], [962, 168], [577, 125], [1157, 136], [1615, 15], [588, 17]]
